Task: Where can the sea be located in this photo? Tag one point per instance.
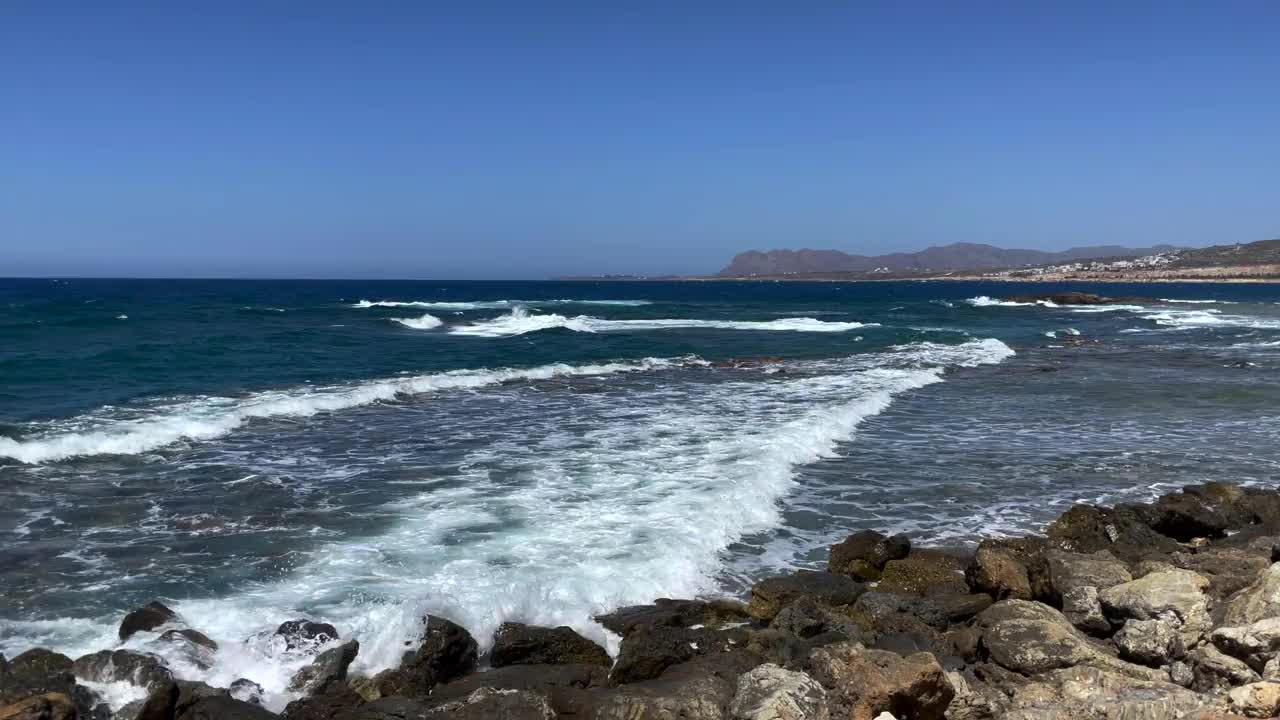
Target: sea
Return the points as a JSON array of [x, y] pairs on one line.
[[362, 452]]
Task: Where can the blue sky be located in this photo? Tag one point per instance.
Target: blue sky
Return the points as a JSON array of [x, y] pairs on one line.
[[520, 139]]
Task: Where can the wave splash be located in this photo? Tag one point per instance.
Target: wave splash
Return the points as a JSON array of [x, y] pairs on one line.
[[491, 304], [520, 321], [426, 322]]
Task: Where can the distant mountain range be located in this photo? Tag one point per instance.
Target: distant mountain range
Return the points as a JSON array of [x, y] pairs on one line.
[[944, 258]]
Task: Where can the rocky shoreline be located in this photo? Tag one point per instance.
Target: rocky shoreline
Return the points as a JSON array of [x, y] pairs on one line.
[[1162, 610]]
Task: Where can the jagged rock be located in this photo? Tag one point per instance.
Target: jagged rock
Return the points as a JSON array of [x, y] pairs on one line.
[[863, 554], [770, 595], [689, 697], [337, 702], [786, 649], [517, 644], [187, 635], [1031, 638], [1258, 601], [148, 617], [489, 703], [1183, 516], [158, 705], [769, 692], [1256, 644], [1212, 669], [445, 651], [148, 671], [1228, 570], [1082, 609], [329, 668], [1181, 673], [974, 699], [938, 611], [862, 683], [806, 618], [1150, 642], [1180, 592], [648, 651], [305, 633], [676, 613], [225, 707], [924, 573], [49, 706], [1085, 692], [42, 672], [246, 690], [565, 686], [1257, 700], [1087, 529], [997, 571], [1056, 572]]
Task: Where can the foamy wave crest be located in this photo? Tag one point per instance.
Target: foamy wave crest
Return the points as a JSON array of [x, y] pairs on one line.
[[209, 418], [1198, 302], [1198, 319], [426, 322], [491, 304], [987, 301], [520, 321], [1093, 309]]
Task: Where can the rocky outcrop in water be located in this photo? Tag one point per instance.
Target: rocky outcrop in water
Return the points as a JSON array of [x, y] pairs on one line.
[[1162, 610]]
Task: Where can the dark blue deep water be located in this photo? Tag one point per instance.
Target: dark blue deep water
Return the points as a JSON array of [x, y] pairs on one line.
[[361, 452]]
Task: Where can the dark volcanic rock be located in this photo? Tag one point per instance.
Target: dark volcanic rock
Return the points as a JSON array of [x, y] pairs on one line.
[[648, 651], [675, 613], [1055, 573], [938, 611], [1074, 298], [446, 651], [1120, 530], [518, 644], [770, 595], [50, 706], [149, 671], [148, 617], [491, 704], [300, 633], [188, 635], [564, 686], [863, 554], [339, 701], [999, 572], [223, 707], [329, 668], [43, 672], [805, 618], [924, 572]]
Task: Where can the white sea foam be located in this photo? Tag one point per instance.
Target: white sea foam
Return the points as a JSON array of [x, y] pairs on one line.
[[1198, 319], [987, 301], [520, 321], [206, 418], [1199, 302], [117, 694], [426, 322], [1091, 309], [491, 304]]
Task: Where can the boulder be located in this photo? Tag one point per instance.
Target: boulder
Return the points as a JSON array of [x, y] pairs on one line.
[[1080, 693], [445, 651], [695, 696], [148, 617], [517, 644], [305, 633], [863, 683], [1088, 529], [1081, 607], [566, 687], [863, 554], [676, 613], [806, 618], [328, 669], [998, 571], [1150, 642], [1031, 638], [1056, 572], [1256, 700], [43, 672], [1256, 644], [49, 706], [337, 702], [1213, 670], [770, 595], [1258, 601], [769, 692], [924, 572], [137, 668], [489, 704], [1228, 569], [1186, 516], [937, 611], [225, 707], [648, 651], [1176, 593], [189, 636]]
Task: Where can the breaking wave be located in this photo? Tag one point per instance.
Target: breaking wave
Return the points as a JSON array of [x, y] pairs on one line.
[[520, 321], [426, 322], [491, 304]]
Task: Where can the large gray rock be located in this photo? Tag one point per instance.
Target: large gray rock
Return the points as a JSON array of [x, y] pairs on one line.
[[136, 668], [1259, 601], [493, 704], [1150, 642], [1081, 607], [770, 595], [1055, 573], [519, 644], [1172, 594], [769, 692], [1087, 693], [1256, 644], [1213, 670], [862, 683], [1031, 638]]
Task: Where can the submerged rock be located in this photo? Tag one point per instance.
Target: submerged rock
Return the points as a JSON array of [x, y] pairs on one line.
[[304, 633], [516, 644]]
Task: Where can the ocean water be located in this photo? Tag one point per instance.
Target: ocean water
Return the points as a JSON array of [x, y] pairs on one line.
[[365, 452]]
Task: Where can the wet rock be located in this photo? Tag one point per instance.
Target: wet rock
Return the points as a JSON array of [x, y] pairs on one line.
[[806, 618], [999, 572], [1056, 572], [336, 703], [141, 669], [1150, 642], [328, 669], [1214, 670], [648, 651], [675, 613], [517, 644], [863, 683], [938, 611], [1073, 298], [1184, 516], [697, 696], [924, 572], [1258, 601], [445, 651], [565, 686], [1257, 700], [305, 633], [49, 706], [160, 704], [187, 635], [146, 618], [1087, 692], [1179, 593], [863, 554], [769, 692], [1088, 529], [1081, 607], [489, 703], [770, 595], [246, 690], [1256, 644], [224, 707]]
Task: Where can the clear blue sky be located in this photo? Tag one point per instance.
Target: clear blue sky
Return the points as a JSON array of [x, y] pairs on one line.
[[523, 139]]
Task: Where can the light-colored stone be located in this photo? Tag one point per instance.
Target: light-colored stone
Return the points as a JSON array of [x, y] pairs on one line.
[[1256, 700], [1081, 608], [769, 692], [1082, 693], [1155, 596], [1150, 642], [862, 683], [1258, 601], [1059, 572], [1256, 644]]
